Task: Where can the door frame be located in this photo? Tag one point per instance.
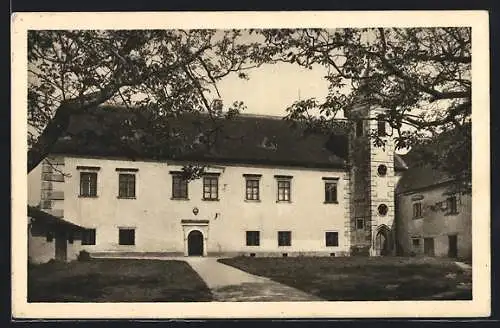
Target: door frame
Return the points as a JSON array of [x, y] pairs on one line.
[[190, 225]]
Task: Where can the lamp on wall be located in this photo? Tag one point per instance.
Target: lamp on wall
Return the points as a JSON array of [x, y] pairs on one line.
[[195, 210]]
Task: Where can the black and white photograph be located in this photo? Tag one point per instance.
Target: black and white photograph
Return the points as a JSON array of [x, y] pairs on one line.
[[245, 163]]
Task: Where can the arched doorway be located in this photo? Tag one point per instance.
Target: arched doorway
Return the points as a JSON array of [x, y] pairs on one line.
[[383, 241], [195, 243]]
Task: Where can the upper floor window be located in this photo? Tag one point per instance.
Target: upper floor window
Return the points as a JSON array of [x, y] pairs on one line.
[[88, 184], [284, 188], [252, 182], [417, 210], [331, 190], [211, 187], [451, 205], [179, 186], [253, 238], [332, 238], [126, 185], [381, 125]]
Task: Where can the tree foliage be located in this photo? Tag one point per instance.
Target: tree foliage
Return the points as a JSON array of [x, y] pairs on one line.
[[164, 72], [422, 76]]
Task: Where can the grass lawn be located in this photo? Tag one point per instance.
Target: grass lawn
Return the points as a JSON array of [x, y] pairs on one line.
[[364, 278], [116, 280]]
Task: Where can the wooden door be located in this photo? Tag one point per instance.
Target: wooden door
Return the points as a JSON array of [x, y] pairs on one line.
[[429, 246], [452, 246], [61, 246]]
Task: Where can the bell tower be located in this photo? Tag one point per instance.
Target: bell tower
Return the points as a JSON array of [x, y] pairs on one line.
[[372, 181]]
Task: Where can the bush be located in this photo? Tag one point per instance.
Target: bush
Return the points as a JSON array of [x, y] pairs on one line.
[[83, 256]]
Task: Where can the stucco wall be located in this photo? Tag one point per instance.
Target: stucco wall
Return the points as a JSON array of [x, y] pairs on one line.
[[35, 186], [435, 223], [157, 218]]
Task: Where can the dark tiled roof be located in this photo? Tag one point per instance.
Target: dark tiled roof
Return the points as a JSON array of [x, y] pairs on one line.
[[419, 177], [421, 172], [49, 219], [245, 139]]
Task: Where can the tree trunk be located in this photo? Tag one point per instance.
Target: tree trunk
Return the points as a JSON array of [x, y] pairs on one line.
[[55, 128]]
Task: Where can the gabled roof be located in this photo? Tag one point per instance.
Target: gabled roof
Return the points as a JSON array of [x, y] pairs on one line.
[[245, 139], [49, 219], [422, 173], [420, 177]]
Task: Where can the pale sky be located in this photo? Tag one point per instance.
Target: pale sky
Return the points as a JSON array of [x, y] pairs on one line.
[[274, 87]]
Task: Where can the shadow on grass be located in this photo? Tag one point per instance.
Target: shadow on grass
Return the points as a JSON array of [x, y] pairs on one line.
[[111, 280], [364, 279]]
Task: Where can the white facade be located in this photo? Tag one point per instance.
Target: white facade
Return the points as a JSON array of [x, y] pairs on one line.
[[163, 224]]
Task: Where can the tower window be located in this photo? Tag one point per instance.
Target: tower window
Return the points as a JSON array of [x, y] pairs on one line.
[[382, 209], [382, 170], [359, 128], [381, 127]]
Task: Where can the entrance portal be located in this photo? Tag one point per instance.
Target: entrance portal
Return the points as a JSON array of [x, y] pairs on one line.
[[195, 243], [383, 242]]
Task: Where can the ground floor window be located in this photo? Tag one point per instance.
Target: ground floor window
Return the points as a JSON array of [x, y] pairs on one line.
[[88, 237], [332, 238], [415, 242], [253, 238], [126, 236], [284, 238]]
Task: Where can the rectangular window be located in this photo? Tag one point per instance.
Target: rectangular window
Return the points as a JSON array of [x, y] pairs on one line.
[[331, 191], [415, 242], [179, 187], [211, 188], [88, 184], [253, 238], [332, 238], [417, 210], [284, 238], [284, 188], [88, 237], [360, 224], [359, 128], [252, 189], [126, 236], [451, 205], [126, 185], [381, 127]]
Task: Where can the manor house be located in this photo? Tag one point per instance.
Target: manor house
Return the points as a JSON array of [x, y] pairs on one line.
[[267, 189]]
